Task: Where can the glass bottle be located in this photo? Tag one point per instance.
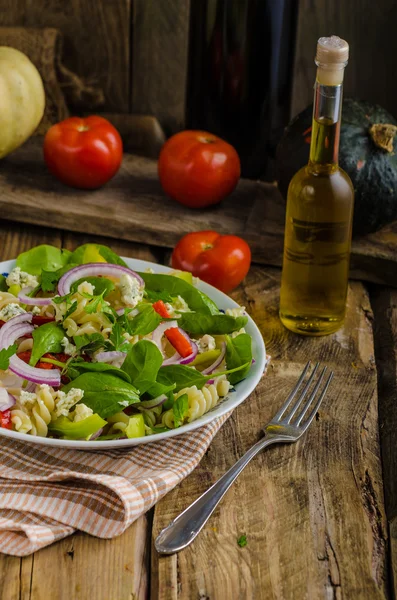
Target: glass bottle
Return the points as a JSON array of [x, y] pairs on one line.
[[319, 213]]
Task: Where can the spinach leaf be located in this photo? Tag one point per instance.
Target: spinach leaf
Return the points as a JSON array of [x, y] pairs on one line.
[[180, 409], [88, 253], [103, 392], [182, 376], [142, 364], [199, 324], [238, 353], [90, 342], [153, 296], [102, 285], [46, 338], [3, 285], [116, 337], [42, 257], [80, 367], [49, 279], [178, 287], [158, 389], [5, 356], [145, 322]]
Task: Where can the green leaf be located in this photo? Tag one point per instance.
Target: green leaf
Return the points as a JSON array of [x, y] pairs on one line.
[[158, 389], [3, 285], [238, 354], [242, 540], [116, 337], [49, 279], [180, 409], [153, 296], [60, 299], [87, 253], [46, 338], [86, 367], [70, 310], [94, 305], [182, 376], [76, 430], [5, 356], [199, 324], [44, 257], [145, 322], [142, 364], [90, 342], [103, 392], [175, 286], [102, 285]]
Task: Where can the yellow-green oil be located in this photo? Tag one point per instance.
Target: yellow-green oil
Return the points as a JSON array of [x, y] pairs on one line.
[[317, 239]]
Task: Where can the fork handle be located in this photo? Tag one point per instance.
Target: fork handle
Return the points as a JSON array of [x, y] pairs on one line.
[[182, 530]]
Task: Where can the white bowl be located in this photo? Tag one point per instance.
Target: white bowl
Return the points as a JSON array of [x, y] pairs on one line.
[[242, 389]]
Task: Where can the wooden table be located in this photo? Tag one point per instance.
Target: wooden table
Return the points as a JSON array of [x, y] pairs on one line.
[[313, 513]]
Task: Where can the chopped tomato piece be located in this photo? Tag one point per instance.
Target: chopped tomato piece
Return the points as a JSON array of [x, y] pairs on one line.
[[5, 419], [161, 309], [178, 340], [39, 320], [25, 356], [2, 323]]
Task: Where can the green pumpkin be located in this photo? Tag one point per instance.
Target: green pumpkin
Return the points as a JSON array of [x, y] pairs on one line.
[[368, 153]]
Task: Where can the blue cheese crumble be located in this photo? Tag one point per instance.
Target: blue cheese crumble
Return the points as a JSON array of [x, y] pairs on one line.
[[81, 412], [206, 343], [131, 290], [21, 278], [68, 347], [10, 310]]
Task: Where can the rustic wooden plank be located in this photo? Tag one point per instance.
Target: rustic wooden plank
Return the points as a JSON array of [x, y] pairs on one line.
[[132, 207], [312, 511], [384, 302], [369, 27], [97, 40], [160, 60], [141, 134]]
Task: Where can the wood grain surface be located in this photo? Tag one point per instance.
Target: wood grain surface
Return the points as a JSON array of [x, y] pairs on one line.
[[369, 28], [160, 60], [384, 302], [312, 512], [133, 207], [97, 40]]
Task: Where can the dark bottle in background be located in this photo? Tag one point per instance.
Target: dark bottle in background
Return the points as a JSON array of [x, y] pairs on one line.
[[240, 72]]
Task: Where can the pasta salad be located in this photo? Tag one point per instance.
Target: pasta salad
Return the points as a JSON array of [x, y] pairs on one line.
[[90, 349]]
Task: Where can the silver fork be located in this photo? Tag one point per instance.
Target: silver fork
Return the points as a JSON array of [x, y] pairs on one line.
[[286, 426]]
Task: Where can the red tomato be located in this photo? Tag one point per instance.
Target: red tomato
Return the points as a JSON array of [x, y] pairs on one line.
[[83, 153], [198, 169], [5, 419], [221, 260], [39, 320]]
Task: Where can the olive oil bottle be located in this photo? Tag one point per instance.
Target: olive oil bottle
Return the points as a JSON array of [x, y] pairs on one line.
[[319, 212]]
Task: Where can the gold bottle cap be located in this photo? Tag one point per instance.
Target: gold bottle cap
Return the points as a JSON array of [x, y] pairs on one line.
[[331, 59]]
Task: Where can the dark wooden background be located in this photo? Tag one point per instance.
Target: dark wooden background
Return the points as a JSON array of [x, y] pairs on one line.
[[136, 50]]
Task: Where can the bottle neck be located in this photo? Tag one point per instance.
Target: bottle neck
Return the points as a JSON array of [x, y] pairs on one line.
[[324, 147]]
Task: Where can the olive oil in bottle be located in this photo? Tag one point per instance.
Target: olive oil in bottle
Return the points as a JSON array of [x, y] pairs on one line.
[[319, 212]]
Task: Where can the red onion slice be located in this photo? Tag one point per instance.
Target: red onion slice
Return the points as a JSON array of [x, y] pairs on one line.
[[51, 377], [14, 333], [10, 324], [107, 357], [218, 361], [96, 434], [7, 400], [94, 270], [23, 297]]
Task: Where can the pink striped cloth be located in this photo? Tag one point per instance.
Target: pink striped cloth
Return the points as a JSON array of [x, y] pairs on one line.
[[48, 493]]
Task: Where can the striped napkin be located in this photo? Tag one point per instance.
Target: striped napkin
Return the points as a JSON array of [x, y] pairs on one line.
[[48, 493]]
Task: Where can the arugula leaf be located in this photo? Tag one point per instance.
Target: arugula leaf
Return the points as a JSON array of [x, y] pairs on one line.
[[49, 279], [199, 324], [103, 392], [238, 354], [116, 337], [70, 310], [80, 367], [102, 285], [5, 356], [42, 257], [46, 338], [175, 286], [60, 299], [89, 252], [180, 409], [153, 296], [91, 342], [3, 285], [95, 304], [182, 376], [145, 322], [142, 364]]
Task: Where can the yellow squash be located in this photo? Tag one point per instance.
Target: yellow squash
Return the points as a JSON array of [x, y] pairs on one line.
[[22, 99]]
